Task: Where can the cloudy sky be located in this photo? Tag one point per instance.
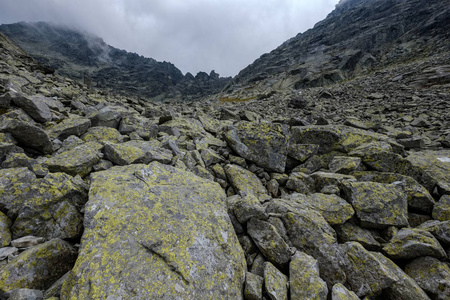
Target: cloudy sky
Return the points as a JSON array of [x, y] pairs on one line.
[[195, 35]]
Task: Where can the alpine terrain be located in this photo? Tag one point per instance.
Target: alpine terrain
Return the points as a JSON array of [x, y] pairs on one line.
[[321, 171]]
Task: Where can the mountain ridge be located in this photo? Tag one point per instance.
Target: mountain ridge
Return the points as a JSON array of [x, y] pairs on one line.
[[78, 54]]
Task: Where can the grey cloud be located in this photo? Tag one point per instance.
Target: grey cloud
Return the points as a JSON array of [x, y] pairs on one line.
[[195, 35]]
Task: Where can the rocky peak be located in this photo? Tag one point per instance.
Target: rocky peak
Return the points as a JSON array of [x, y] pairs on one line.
[[359, 36]]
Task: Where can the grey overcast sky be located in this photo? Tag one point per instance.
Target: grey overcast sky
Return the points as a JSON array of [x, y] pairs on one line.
[[194, 35]]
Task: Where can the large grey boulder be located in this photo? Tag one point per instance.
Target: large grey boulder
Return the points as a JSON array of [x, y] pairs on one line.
[[38, 267], [432, 275], [377, 205], [411, 243], [263, 143], [35, 107], [156, 232], [244, 181]]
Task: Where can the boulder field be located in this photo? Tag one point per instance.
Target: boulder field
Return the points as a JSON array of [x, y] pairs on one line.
[[109, 197]]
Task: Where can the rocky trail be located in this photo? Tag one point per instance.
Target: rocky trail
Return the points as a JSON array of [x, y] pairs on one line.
[[264, 193]]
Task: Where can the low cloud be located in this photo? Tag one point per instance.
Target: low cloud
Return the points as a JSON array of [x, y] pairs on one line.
[[195, 35]]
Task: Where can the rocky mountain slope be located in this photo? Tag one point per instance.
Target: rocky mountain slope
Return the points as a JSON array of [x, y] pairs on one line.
[[359, 36], [335, 193], [80, 55]]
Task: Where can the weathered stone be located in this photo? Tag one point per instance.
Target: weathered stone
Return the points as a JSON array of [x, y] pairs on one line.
[[411, 243], [38, 267], [324, 179], [412, 143], [334, 209], [26, 294], [102, 135], [418, 197], [263, 143], [253, 287], [309, 232], [248, 207], [350, 232], [5, 233], [440, 230], [55, 289], [367, 273], [275, 283], [173, 240], [344, 164], [109, 116], [434, 168], [8, 252], [51, 208], [13, 183], [304, 278], [431, 275], [27, 241], [377, 205], [210, 157], [269, 242], [405, 288], [26, 133], [300, 182], [302, 152], [244, 181], [18, 160], [336, 137], [35, 107], [441, 210], [70, 126], [340, 292], [76, 161]]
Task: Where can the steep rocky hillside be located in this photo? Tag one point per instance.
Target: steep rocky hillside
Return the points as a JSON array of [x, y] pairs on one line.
[[78, 55], [334, 193], [359, 36]]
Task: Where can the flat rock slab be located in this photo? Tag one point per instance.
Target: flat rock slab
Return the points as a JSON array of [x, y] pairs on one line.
[[156, 232]]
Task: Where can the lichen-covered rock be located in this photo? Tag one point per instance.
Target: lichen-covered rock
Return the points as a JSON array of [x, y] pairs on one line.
[[344, 164], [302, 152], [411, 243], [440, 230], [275, 282], [405, 288], [441, 210], [333, 208], [418, 196], [35, 107], [14, 184], [70, 126], [248, 207], [124, 154], [173, 240], [109, 116], [263, 143], [434, 168], [350, 232], [5, 233], [367, 274], [309, 232], [26, 294], [304, 278], [25, 132], [340, 292], [102, 135], [269, 242], [76, 161], [323, 180], [210, 157], [337, 137], [432, 275], [51, 208], [244, 181], [300, 182], [377, 205], [38, 267], [253, 287]]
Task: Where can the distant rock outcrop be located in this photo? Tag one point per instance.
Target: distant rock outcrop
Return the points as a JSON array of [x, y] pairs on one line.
[[357, 37], [88, 58]]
